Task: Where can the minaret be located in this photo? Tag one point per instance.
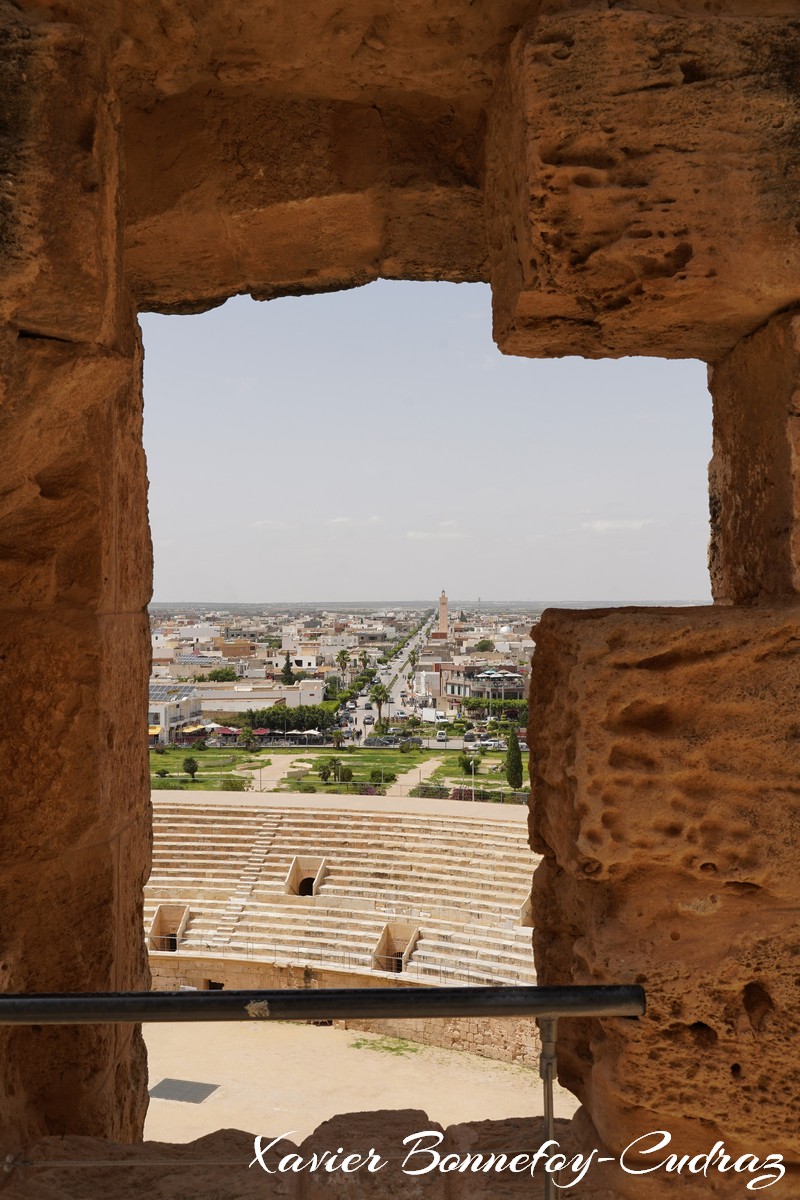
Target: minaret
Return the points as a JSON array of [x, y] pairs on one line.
[[443, 614]]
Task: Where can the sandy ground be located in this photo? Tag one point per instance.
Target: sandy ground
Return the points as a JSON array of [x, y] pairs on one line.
[[277, 1077]]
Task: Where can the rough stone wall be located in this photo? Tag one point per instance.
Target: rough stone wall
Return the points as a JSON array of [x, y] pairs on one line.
[[507, 1039], [74, 579], [628, 149], [217, 1165], [754, 481], [639, 165], [665, 801], [387, 104]]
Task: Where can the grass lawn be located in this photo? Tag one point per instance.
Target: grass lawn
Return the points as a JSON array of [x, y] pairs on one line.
[[201, 783], [362, 762], [213, 766], [486, 778]]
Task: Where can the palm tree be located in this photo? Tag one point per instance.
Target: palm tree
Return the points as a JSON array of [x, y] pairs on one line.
[[364, 659], [413, 659], [380, 695], [343, 661]]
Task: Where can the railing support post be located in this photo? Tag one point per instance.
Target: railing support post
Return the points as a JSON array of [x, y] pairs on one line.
[[548, 1027]]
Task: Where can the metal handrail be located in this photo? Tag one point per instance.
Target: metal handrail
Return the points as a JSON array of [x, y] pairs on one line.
[[545, 1004], [290, 1004]]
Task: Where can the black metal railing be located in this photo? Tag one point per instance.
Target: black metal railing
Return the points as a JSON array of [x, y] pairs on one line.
[[544, 1004]]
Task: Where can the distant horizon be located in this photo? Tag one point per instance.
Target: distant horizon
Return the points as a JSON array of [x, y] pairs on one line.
[[453, 602], [368, 440]]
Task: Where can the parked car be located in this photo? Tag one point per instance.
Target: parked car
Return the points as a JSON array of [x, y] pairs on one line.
[[369, 720], [441, 736], [469, 736], [367, 706]]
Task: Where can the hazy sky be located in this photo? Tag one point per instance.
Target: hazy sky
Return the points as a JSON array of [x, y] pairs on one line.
[[374, 444]]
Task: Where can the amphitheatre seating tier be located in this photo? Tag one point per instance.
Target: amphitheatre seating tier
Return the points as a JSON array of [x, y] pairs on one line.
[[460, 880]]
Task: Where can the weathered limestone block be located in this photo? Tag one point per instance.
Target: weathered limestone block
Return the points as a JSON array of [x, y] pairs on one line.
[[346, 49], [73, 496], [754, 476], [75, 576], [665, 798], [61, 261], [76, 838], [378, 191], [74, 646], [217, 1165], [627, 154], [72, 922]]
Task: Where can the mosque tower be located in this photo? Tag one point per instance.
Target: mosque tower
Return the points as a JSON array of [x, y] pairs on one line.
[[443, 614]]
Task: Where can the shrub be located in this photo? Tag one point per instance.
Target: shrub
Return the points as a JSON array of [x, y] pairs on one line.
[[162, 771], [430, 791], [234, 784], [167, 785], [465, 793], [378, 776], [305, 787], [158, 749], [345, 774], [465, 762]]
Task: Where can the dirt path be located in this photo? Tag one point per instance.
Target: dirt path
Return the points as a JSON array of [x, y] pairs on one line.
[[410, 779], [265, 779]]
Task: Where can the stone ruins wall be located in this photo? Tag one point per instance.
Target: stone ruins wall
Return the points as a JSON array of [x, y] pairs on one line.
[[507, 1039], [666, 805], [628, 148], [626, 174], [75, 575]]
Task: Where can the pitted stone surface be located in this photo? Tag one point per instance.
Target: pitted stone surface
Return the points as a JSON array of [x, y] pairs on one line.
[[627, 152], [665, 799], [636, 192], [754, 475]]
